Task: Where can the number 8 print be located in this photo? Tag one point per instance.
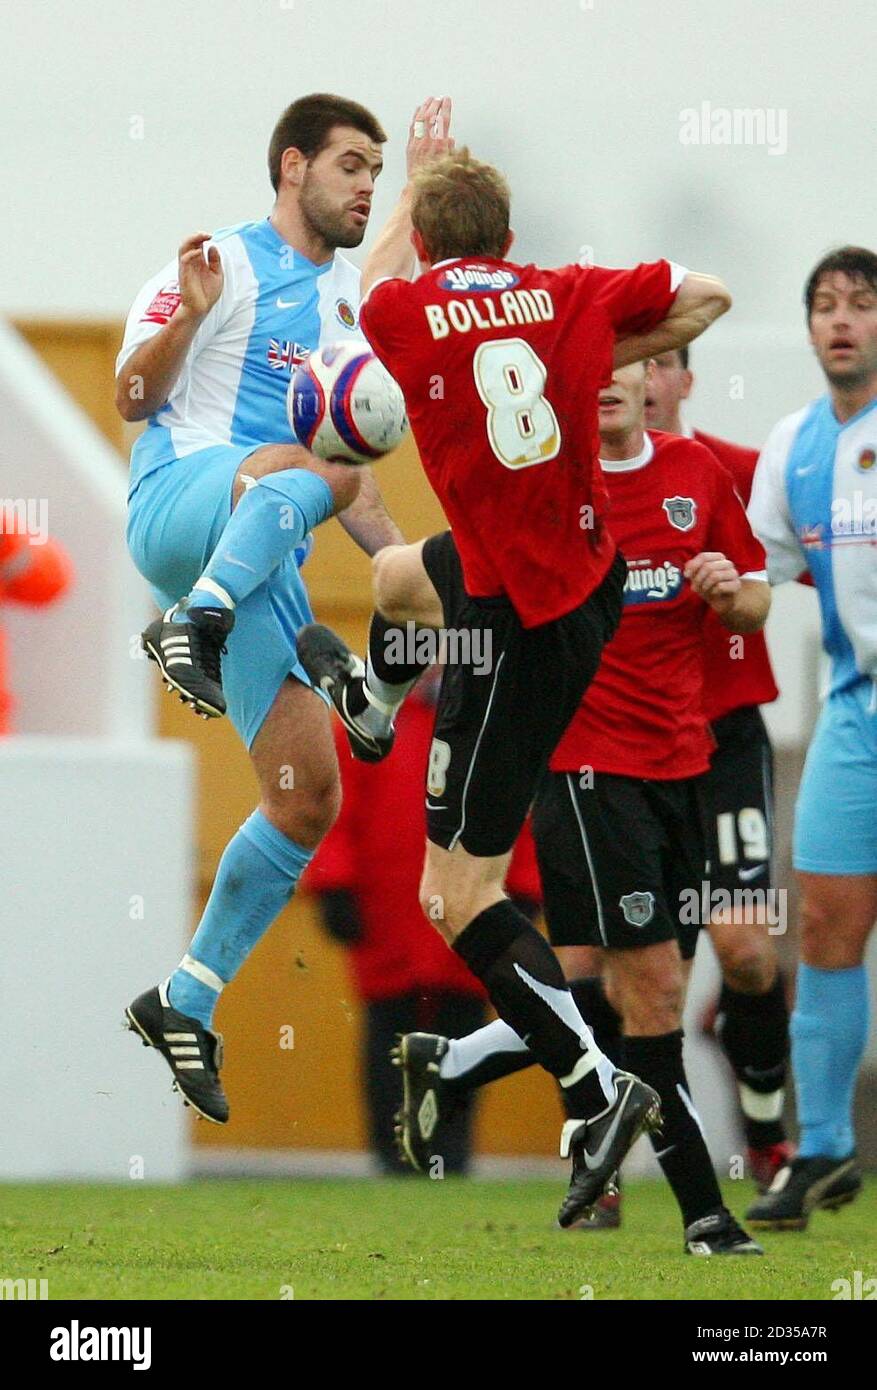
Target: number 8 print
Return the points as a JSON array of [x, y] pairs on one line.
[[521, 424]]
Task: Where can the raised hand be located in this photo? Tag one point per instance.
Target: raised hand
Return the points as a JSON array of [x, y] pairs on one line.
[[200, 279], [428, 134]]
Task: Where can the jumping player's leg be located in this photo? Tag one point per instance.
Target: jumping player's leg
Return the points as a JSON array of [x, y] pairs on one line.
[[285, 725], [280, 493], [277, 496], [415, 586], [752, 1019]]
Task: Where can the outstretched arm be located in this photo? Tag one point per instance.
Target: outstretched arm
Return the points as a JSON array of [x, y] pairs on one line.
[[392, 256], [700, 300], [148, 376]]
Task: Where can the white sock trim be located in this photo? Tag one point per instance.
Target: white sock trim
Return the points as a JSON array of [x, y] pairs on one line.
[[586, 1063], [757, 1106], [199, 971], [216, 590], [383, 696]]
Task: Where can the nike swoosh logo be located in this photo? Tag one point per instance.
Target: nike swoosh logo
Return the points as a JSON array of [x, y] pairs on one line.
[[802, 472], [747, 874], [288, 303], [594, 1161]]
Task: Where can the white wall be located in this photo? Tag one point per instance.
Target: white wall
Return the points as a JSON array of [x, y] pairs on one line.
[[578, 100], [96, 868]]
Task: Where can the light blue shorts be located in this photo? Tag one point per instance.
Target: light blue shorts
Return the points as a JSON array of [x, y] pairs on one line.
[[175, 518], [836, 814]]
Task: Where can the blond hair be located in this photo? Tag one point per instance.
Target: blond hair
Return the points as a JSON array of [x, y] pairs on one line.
[[461, 207]]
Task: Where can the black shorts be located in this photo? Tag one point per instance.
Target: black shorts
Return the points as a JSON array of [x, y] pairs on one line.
[[740, 789], [622, 860], [500, 717]]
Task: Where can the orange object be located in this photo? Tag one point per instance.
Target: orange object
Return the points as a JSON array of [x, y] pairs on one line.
[[33, 572]]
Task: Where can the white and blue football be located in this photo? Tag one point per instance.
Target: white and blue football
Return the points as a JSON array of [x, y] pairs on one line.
[[344, 406]]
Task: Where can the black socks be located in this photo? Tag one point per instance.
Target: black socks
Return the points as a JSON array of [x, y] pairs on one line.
[[754, 1031], [526, 986], [680, 1147]]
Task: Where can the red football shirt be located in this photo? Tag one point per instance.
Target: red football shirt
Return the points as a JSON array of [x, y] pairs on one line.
[[739, 674], [643, 715], [501, 366]]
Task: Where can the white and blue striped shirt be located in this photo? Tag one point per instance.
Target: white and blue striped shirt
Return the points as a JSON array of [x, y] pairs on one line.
[[275, 307], [814, 506]]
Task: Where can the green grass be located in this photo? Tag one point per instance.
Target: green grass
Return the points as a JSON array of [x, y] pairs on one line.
[[397, 1239]]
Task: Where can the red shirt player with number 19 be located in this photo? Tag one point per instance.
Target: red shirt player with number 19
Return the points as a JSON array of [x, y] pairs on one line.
[[501, 365], [619, 824]]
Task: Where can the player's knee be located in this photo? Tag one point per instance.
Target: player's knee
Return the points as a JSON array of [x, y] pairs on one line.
[[388, 599], [748, 962], [305, 815], [434, 906], [344, 482], [815, 928], [650, 1002]]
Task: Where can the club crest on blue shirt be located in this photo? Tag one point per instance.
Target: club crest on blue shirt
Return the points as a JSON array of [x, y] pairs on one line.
[[681, 512]]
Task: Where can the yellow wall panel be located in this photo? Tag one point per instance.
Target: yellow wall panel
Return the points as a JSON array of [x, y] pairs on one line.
[[306, 1097]]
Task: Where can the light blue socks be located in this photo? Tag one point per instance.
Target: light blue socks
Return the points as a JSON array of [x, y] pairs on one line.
[[256, 878], [829, 1031]]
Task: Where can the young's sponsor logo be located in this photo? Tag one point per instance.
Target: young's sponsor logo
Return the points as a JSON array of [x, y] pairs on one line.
[[648, 582], [484, 279]]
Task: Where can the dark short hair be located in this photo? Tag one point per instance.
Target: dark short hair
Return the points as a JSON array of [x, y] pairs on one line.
[[683, 356], [307, 124], [856, 262]]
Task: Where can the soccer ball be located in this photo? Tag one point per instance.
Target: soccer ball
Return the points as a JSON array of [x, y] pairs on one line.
[[344, 406]]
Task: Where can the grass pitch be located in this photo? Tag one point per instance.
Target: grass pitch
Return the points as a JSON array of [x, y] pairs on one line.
[[398, 1239]]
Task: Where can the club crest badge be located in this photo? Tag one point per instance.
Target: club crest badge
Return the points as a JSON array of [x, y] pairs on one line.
[[638, 908], [345, 313], [681, 512], [866, 460]]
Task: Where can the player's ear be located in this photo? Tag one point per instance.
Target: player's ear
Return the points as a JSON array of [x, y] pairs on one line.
[[292, 166], [419, 248], [687, 383], [507, 244]]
